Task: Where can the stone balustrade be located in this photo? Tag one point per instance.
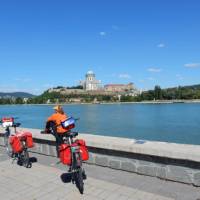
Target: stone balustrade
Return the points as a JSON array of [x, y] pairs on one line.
[[170, 161]]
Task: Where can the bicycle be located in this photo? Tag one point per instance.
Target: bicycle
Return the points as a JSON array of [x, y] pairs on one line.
[[17, 144], [72, 153]]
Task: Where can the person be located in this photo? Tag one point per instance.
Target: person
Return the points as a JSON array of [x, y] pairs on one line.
[[54, 123], [57, 118]]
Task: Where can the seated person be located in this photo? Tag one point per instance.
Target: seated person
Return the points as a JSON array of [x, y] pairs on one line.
[[54, 123]]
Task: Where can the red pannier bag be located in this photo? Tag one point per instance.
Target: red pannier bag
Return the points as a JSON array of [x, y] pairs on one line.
[[65, 154], [27, 137], [15, 144], [83, 149], [29, 140]]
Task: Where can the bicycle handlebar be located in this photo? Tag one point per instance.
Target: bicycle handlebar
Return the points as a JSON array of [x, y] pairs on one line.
[[16, 124]]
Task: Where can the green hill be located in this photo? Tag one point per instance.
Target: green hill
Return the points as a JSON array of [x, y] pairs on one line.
[[15, 95]]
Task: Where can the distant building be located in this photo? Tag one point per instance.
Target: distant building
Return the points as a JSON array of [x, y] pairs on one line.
[[124, 89], [25, 100], [90, 83], [119, 87], [93, 86]]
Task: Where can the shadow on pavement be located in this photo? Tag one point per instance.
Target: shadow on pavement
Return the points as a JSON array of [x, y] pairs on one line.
[[33, 159], [66, 177], [26, 164]]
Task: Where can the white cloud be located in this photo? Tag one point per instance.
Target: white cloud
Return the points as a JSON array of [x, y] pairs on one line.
[[154, 69], [192, 65], [161, 45], [125, 76], [102, 33]]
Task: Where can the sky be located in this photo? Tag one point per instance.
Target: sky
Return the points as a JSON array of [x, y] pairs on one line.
[[49, 43]]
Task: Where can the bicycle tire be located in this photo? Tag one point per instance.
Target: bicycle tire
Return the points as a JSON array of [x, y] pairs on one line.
[[26, 159], [8, 146], [78, 173], [78, 177]]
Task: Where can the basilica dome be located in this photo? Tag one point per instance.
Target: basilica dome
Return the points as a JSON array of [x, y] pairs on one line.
[[90, 72]]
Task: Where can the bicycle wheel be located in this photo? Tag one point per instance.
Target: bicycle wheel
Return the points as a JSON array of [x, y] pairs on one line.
[[78, 173], [78, 177], [7, 145], [25, 158]]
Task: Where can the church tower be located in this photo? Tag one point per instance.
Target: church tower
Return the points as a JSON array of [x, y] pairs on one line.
[[90, 82]]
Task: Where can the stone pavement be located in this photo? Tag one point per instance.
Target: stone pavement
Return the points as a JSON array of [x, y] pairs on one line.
[[43, 182]]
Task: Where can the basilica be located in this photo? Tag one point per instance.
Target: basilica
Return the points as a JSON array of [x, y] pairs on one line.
[[90, 83]]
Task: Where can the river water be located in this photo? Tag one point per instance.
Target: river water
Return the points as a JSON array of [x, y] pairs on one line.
[[177, 122]]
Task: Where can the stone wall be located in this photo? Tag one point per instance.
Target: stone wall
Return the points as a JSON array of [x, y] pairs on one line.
[[170, 161]]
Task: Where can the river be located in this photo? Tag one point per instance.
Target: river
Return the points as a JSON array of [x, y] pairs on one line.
[[178, 122]]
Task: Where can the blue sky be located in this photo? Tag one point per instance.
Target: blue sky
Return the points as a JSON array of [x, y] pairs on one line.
[[45, 43]]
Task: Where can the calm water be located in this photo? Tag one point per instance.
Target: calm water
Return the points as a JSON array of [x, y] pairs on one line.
[[162, 122]]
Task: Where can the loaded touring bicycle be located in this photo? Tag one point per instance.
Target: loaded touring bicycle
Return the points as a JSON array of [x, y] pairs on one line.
[[72, 152], [17, 143]]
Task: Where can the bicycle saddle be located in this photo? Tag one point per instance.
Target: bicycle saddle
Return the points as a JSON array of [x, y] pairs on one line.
[[71, 134]]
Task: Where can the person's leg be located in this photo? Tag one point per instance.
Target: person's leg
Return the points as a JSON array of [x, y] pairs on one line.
[[59, 141], [52, 128]]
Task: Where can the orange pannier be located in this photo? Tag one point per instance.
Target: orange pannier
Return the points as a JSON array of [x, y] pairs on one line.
[[15, 144], [83, 149], [29, 140], [65, 154], [27, 137]]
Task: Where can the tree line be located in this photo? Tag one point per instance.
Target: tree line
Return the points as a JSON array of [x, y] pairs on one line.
[[176, 93]]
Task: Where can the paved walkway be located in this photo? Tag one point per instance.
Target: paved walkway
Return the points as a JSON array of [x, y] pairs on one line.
[[43, 182]]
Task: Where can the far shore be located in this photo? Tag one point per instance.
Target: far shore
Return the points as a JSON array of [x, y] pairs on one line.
[[107, 103]]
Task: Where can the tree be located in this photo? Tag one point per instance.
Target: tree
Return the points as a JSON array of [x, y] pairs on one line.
[[157, 92], [19, 100]]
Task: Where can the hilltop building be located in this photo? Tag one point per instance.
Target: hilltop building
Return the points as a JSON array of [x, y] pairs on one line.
[[119, 87], [90, 83], [128, 89], [93, 86]]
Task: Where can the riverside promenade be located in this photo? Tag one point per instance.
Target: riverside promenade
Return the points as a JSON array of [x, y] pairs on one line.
[[43, 181]]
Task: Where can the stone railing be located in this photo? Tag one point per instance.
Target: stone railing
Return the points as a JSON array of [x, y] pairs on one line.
[[170, 161]]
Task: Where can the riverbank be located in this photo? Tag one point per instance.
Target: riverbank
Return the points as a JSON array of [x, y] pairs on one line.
[[112, 103]]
